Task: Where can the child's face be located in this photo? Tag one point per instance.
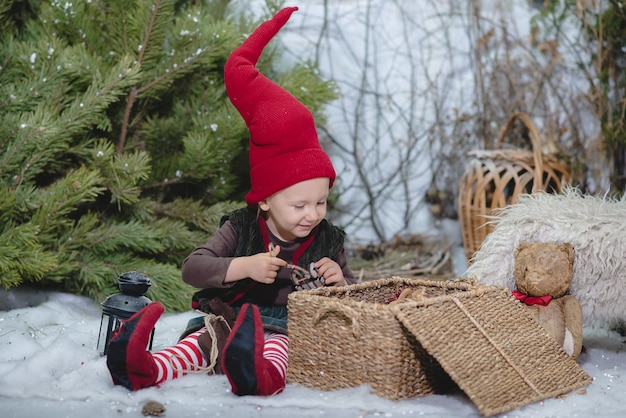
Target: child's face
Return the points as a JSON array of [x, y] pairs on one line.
[[294, 212]]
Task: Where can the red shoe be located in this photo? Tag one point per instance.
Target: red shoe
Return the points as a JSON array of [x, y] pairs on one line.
[[129, 363], [242, 361]]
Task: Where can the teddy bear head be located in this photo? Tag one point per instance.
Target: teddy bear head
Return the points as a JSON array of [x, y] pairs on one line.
[[543, 268]]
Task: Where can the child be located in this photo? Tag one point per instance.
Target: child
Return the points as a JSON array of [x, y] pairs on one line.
[[246, 267]]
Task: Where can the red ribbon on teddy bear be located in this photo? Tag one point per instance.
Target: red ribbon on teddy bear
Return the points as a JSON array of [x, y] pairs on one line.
[[532, 300]]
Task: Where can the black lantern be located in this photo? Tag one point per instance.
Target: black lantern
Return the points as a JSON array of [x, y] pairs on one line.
[[121, 306]]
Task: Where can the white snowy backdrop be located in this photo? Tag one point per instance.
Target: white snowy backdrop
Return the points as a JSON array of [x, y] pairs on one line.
[[388, 61], [49, 366], [421, 83]]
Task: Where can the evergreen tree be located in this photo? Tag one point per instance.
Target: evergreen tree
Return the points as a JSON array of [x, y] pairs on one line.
[[119, 147]]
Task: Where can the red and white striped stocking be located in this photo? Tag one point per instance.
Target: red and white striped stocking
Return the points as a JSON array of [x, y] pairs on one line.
[[275, 350], [186, 356], [180, 359]]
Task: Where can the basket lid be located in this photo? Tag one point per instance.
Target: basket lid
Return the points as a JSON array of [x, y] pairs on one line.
[[493, 349]]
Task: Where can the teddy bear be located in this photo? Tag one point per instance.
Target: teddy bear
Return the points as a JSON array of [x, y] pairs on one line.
[[543, 273]]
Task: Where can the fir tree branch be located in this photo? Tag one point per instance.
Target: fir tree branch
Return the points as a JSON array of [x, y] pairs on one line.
[[83, 113], [132, 96]]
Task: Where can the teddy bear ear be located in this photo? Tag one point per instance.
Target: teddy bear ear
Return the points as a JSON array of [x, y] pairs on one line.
[[521, 247], [568, 248]]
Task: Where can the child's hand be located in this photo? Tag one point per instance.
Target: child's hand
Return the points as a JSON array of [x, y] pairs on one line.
[[263, 267], [331, 272]]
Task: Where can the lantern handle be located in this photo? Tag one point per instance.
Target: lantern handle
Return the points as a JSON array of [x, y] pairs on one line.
[[535, 141]]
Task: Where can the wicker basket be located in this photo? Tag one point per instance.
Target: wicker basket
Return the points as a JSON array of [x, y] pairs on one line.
[[495, 179], [443, 336], [342, 337]]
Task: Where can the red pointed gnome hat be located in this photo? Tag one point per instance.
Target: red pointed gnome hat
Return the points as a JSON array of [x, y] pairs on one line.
[[284, 147]]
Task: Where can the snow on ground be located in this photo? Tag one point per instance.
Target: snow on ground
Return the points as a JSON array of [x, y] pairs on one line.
[[49, 367]]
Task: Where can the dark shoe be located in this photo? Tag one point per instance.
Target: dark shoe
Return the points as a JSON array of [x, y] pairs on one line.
[[218, 321], [243, 363], [212, 341], [130, 363]]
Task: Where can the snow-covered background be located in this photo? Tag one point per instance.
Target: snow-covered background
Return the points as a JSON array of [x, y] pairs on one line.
[[49, 367], [405, 75]]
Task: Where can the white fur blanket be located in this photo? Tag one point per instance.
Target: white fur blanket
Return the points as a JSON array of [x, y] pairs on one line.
[[595, 226]]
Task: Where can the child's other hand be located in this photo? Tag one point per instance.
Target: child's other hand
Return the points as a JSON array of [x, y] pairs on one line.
[[331, 272], [263, 267]]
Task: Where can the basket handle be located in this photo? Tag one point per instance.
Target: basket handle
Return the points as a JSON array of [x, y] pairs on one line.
[[352, 315], [535, 142]]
